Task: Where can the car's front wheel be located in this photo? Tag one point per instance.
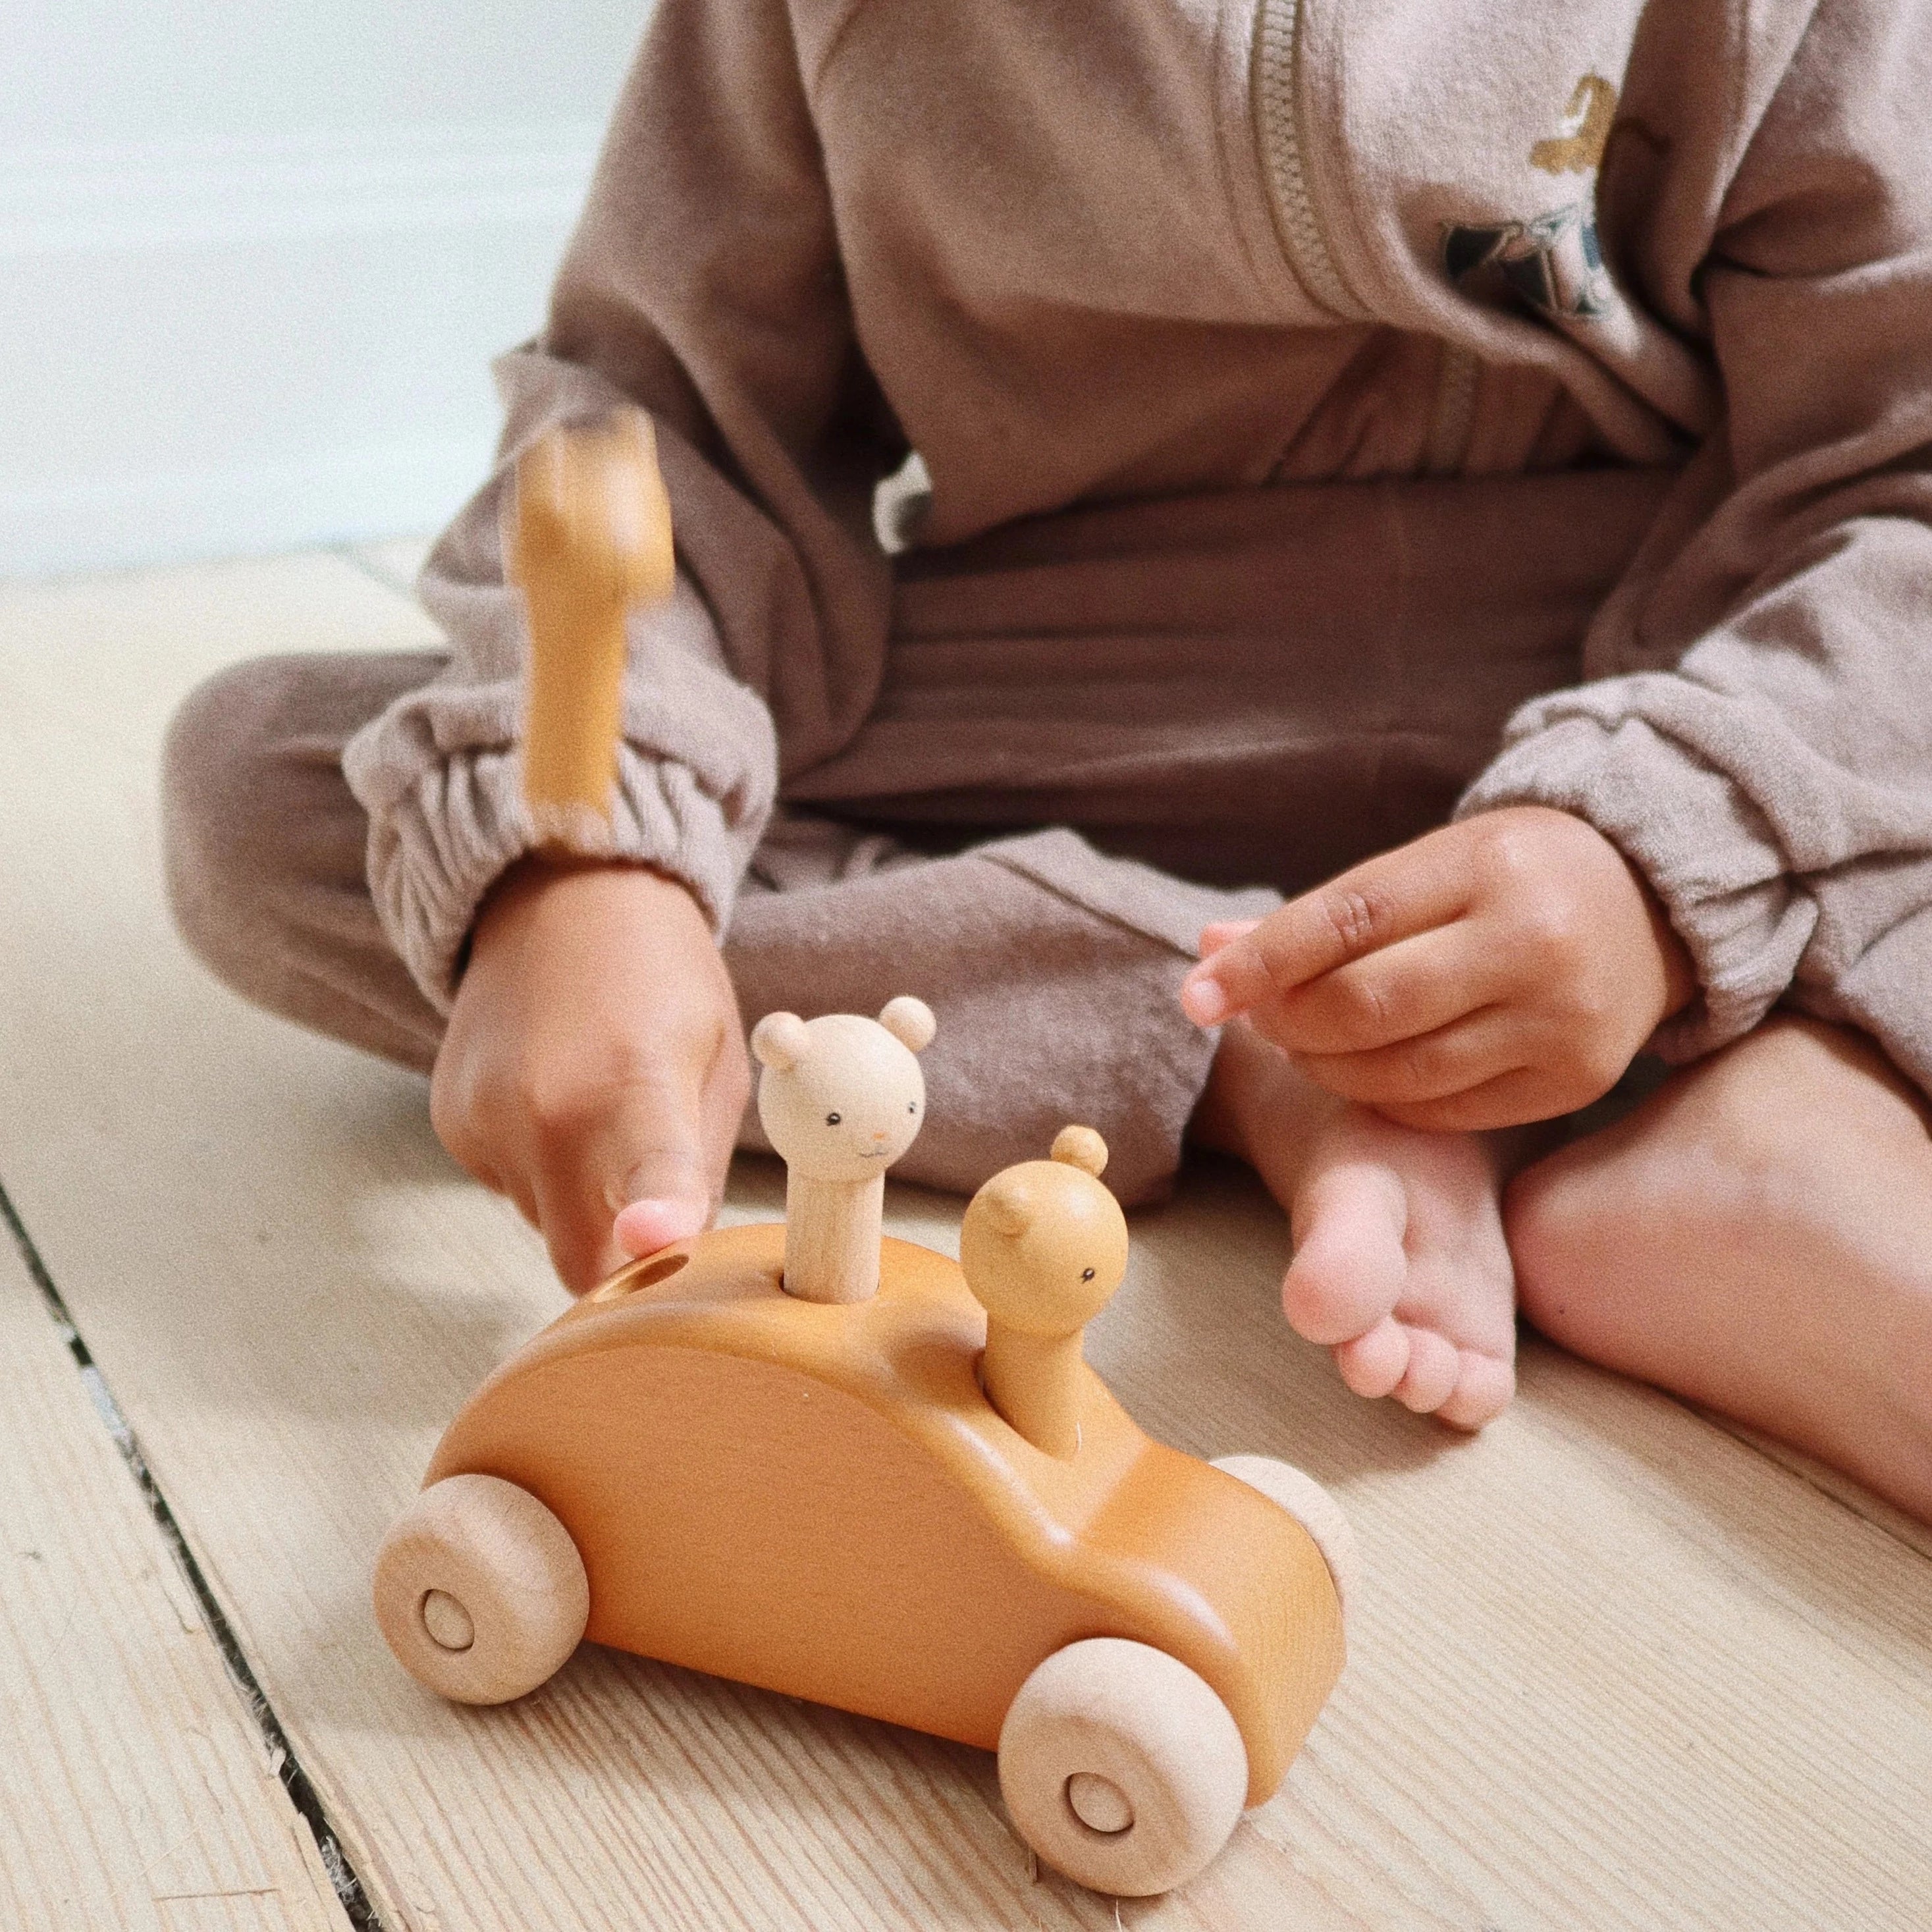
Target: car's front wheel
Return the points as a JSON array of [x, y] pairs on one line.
[[480, 1590], [1121, 1768]]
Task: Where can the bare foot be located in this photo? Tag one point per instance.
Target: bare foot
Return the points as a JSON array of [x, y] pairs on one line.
[[1757, 1236], [1400, 1266]]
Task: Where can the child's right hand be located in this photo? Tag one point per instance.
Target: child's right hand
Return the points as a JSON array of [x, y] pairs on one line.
[[594, 1061], [1501, 970]]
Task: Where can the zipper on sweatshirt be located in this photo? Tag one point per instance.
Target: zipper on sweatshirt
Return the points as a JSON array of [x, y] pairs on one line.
[[1276, 62]]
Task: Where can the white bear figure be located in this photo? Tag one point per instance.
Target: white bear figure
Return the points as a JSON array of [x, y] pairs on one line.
[[842, 1097]]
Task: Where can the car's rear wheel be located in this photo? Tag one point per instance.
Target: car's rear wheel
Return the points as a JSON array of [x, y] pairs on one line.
[[480, 1590], [1121, 1768], [1311, 1506]]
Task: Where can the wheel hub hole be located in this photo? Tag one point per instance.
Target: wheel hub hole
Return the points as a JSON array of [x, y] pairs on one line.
[[1099, 1803], [448, 1622]]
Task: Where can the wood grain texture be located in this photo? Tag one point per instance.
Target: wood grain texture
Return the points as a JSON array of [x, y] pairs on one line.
[[1610, 1667], [136, 1794]]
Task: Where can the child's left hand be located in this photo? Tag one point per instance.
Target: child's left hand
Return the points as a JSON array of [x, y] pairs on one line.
[[1505, 969]]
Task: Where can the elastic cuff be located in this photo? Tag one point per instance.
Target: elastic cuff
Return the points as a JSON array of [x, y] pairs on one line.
[[1703, 845], [445, 844]]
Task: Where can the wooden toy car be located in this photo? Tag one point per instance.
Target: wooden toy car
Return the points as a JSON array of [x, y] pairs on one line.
[[862, 1473]]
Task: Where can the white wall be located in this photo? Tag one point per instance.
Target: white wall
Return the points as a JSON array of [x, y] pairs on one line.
[[255, 256]]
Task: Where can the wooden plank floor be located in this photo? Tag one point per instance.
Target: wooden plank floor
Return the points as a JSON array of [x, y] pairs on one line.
[[1614, 1668], [135, 1792]]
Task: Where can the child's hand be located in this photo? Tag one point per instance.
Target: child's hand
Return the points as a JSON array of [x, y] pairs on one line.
[[594, 1061], [1503, 970]]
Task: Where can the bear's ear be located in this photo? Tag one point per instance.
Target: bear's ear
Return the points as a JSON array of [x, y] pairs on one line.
[[910, 1022], [780, 1041], [1081, 1147], [1006, 1200]]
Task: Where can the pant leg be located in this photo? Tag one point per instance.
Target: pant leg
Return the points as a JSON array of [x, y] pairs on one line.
[[1053, 969], [1054, 973], [265, 846]]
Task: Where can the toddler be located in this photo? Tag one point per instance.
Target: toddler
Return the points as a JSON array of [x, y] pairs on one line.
[[1423, 502]]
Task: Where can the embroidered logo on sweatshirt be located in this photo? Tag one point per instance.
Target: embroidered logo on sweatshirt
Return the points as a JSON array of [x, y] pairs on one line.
[[1578, 149], [1552, 262]]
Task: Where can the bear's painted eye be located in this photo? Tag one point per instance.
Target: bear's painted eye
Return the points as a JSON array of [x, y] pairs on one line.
[[1086, 1274], [912, 1106], [832, 1120]]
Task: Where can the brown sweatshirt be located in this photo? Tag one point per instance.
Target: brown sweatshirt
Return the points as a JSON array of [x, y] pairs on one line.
[[1368, 372]]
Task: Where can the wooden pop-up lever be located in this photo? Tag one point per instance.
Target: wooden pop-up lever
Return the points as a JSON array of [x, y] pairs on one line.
[[842, 1097], [1043, 1246], [586, 537]]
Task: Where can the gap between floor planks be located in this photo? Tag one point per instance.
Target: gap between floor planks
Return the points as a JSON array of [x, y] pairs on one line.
[[136, 1793]]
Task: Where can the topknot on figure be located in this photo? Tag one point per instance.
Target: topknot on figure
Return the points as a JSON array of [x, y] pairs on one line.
[[841, 1098]]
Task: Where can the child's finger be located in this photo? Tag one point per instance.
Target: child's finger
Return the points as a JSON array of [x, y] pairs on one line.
[[1213, 937], [655, 1223], [1416, 986], [643, 1145], [1510, 1100], [1467, 1053], [1371, 906]]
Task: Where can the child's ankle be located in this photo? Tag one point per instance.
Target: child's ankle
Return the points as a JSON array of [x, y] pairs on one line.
[[1257, 1101]]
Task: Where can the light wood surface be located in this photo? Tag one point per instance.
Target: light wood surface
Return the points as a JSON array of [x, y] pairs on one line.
[[1609, 1666], [136, 1795]]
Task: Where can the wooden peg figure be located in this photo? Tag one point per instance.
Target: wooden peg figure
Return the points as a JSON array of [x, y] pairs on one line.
[[586, 537], [1043, 1246], [842, 1097]]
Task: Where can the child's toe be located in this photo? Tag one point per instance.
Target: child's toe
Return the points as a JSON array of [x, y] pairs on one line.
[[1373, 1363], [1349, 1267], [1485, 1387], [1435, 1365]]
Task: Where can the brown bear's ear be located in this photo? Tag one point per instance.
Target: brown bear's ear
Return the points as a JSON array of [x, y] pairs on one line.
[[780, 1041], [910, 1022], [1081, 1147], [1007, 1203]]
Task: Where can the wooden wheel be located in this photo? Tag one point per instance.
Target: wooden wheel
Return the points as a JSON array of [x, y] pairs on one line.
[[480, 1590], [1311, 1506], [1121, 1768]]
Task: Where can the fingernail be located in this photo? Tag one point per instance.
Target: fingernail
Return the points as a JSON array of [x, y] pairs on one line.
[[645, 1226], [1204, 1000]]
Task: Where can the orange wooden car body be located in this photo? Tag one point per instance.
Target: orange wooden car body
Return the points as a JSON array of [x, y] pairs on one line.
[[818, 1499]]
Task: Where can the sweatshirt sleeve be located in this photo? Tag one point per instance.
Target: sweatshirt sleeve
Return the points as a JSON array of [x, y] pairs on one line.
[[703, 284], [1756, 733]]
